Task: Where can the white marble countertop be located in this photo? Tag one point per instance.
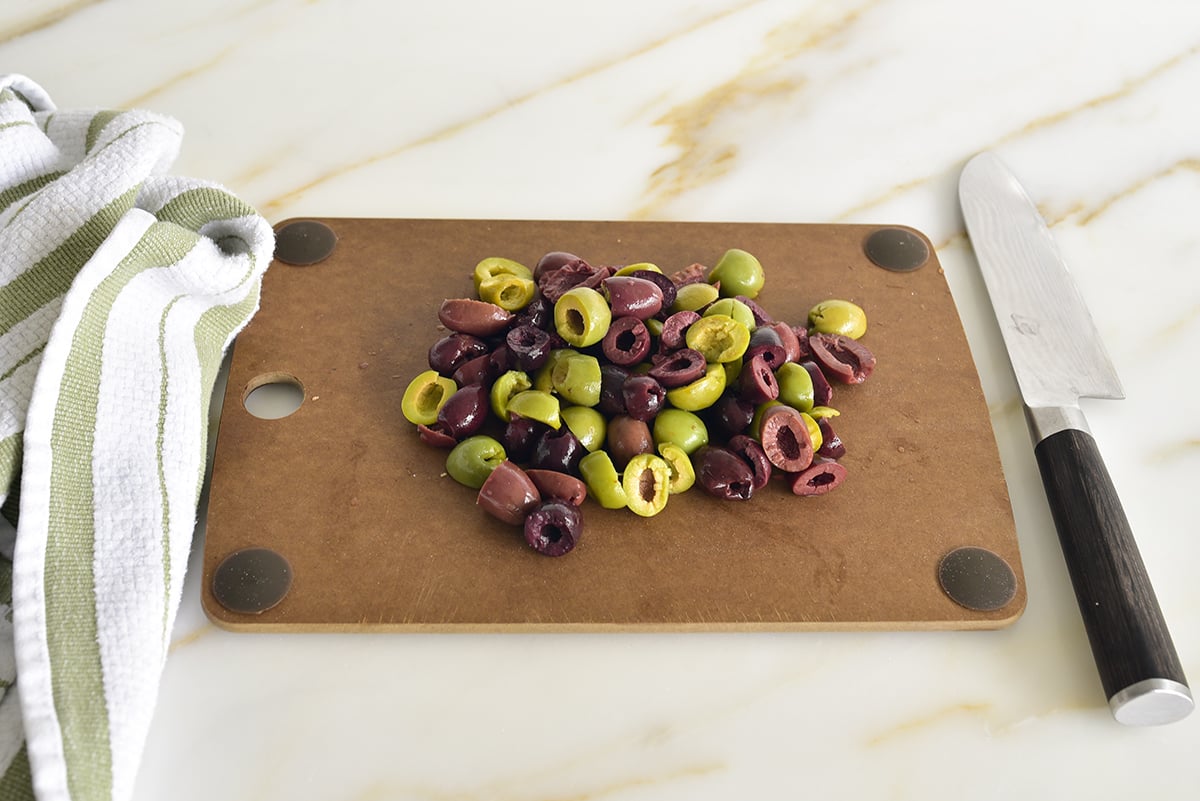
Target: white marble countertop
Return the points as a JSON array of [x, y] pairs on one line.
[[699, 110]]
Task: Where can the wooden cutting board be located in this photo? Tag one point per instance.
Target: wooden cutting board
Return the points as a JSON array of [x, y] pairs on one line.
[[376, 536]]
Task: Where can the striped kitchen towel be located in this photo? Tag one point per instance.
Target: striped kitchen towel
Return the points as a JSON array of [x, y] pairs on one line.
[[120, 289]]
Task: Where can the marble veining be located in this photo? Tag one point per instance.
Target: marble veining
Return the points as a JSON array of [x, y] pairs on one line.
[[738, 110]]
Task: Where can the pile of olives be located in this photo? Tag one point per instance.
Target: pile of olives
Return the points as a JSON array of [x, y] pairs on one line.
[[628, 385]]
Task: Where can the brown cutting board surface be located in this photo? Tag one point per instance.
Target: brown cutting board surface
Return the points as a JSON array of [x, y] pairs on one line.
[[378, 537]]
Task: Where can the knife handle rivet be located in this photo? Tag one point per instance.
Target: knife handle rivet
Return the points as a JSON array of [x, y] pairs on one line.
[[897, 249], [304, 242], [251, 581], [977, 579]]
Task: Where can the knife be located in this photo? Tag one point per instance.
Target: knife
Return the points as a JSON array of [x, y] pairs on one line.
[[1057, 356]]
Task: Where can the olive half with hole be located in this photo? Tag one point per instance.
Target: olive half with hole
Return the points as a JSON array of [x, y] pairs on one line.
[[627, 341], [647, 484], [752, 451], [846, 359], [818, 479], [644, 397], [553, 528], [678, 367], [785, 439]]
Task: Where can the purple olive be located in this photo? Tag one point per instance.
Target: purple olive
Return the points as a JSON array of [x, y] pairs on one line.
[[832, 446], [774, 355], [508, 494], [674, 328], [644, 397], [627, 437], [528, 346], [756, 381], [818, 479], [679, 367], [846, 359], [520, 436], [538, 313], [730, 414], [554, 260], [465, 412], [633, 297], [822, 391], [556, 486], [785, 438], [612, 382], [788, 340], [627, 341], [761, 316], [664, 283], [452, 351], [752, 451], [476, 317], [558, 449], [723, 474], [480, 370], [436, 436], [765, 335], [553, 528]]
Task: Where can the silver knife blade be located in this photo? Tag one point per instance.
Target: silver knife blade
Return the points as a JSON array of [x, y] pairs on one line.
[[1055, 349]]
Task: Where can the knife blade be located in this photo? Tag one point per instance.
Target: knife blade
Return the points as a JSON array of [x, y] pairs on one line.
[[1057, 358]]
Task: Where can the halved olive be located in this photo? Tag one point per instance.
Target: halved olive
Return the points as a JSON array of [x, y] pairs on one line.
[[425, 396]]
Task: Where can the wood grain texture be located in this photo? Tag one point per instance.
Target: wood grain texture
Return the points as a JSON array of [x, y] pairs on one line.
[[1128, 635], [380, 538]]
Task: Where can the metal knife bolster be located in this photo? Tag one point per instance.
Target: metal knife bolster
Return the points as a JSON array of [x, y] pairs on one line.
[[1045, 421]]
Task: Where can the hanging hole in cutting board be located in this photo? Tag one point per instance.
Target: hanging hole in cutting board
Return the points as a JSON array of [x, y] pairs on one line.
[[273, 396]]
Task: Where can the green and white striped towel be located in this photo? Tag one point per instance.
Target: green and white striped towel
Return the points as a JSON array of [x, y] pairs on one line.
[[120, 289]]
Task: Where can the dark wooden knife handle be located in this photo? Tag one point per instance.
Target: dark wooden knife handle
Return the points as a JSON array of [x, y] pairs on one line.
[[1125, 625]]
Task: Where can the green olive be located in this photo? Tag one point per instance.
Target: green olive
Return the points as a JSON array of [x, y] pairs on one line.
[[471, 461], [587, 424], [838, 317], [543, 377], [701, 393], [732, 307], [641, 265], [739, 273], [814, 430], [817, 412], [576, 377], [506, 386], [683, 475], [718, 337], [654, 326], [603, 481], [496, 266], [509, 292], [647, 484], [680, 428], [795, 386], [582, 316], [536, 405], [733, 369], [425, 396], [693, 297]]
